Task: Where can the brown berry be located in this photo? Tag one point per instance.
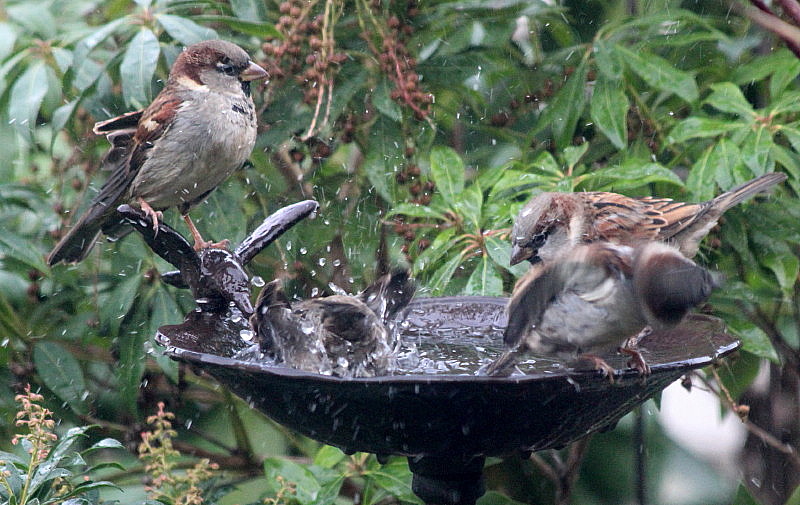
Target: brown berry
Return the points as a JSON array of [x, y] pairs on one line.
[[414, 170]]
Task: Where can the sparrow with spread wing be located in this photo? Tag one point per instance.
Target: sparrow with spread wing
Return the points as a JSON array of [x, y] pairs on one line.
[[347, 336], [551, 223], [199, 129], [598, 296]]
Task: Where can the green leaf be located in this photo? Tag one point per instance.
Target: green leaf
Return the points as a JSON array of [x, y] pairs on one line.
[[85, 46], [184, 30], [61, 373], [660, 73], [784, 75], [307, 484], [500, 252], [755, 151], [447, 171], [441, 245], [417, 210], [562, 114], [15, 247], [485, 280], [727, 97], [249, 10], [60, 117], [609, 110], [633, 173], [256, 29], [469, 204], [328, 456], [7, 38], [608, 61], [164, 310], [395, 478], [785, 266], [137, 68], [441, 278], [701, 178], [26, 98], [700, 127], [384, 103], [730, 170]]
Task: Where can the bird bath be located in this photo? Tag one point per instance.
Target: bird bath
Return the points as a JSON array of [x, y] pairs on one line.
[[445, 424]]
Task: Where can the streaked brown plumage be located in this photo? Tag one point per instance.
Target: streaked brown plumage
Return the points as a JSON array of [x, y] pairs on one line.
[[196, 132], [347, 336], [597, 296], [552, 223]]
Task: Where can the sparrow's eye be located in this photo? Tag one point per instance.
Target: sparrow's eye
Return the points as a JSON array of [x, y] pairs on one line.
[[225, 67], [538, 240]]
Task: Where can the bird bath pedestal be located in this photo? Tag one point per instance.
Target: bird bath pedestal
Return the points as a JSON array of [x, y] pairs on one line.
[[445, 424]]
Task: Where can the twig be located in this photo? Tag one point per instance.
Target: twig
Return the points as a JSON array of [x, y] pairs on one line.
[[763, 16]]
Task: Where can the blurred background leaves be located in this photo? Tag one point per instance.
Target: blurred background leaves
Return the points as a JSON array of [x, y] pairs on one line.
[[421, 128]]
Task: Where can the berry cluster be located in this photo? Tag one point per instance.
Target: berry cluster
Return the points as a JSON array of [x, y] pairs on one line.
[[395, 60], [307, 52]]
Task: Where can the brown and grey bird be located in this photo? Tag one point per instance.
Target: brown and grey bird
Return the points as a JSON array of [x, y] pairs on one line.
[[347, 336], [551, 223], [199, 129], [598, 297]]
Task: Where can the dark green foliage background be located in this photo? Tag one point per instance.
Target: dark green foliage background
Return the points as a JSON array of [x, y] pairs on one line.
[[678, 99]]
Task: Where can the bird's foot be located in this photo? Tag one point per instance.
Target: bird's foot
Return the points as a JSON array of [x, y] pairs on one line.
[[199, 243], [592, 362], [636, 360], [155, 215], [633, 341]]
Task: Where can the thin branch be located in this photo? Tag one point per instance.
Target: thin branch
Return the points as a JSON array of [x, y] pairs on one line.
[[766, 19]]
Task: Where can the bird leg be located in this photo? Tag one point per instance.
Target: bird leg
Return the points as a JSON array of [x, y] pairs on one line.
[[153, 214], [199, 243], [630, 347], [596, 363]]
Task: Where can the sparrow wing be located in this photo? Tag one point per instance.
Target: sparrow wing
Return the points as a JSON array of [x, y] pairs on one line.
[[533, 293], [346, 317]]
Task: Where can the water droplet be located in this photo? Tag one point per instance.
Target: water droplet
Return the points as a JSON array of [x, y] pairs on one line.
[[289, 245], [247, 335], [314, 292], [257, 281], [303, 250], [321, 262]]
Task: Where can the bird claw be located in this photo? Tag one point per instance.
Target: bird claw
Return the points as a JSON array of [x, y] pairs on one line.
[[155, 215], [201, 244], [596, 363], [636, 360]]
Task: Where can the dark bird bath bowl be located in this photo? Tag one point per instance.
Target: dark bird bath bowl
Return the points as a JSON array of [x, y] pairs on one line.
[[445, 424]]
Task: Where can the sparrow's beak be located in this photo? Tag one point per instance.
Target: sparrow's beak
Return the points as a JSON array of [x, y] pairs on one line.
[[253, 73], [520, 254]]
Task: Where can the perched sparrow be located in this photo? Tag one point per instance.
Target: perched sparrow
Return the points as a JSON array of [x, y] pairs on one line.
[[551, 223], [599, 295], [174, 153], [347, 336]]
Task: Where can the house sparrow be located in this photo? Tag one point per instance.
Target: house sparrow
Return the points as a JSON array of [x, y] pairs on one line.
[[553, 222], [347, 336], [597, 296], [174, 153]]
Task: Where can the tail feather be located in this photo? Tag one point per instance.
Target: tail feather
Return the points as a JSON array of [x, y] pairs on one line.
[[76, 245], [389, 294], [740, 193]]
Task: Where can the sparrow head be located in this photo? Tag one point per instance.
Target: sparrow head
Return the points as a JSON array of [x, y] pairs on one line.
[[544, 227], [219, 65]]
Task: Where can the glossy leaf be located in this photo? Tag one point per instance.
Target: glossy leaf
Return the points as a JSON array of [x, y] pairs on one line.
[[485, 280], [702, 175], [61, 373], [756, 149], [307, 485], [249, 10], [441, 277], [256, 29], [727, 97], [184, 30], [26, 98], [699, 127], [609, 110], [562, 114], [447, 171], [137, 68], [500, 252], [660, 73]]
